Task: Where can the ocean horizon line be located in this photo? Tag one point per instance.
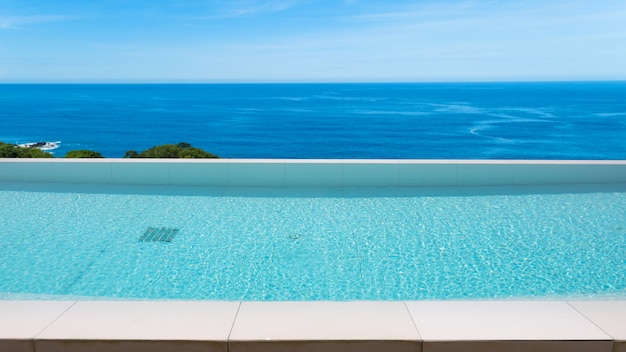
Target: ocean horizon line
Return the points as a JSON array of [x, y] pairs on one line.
[[269, 82]]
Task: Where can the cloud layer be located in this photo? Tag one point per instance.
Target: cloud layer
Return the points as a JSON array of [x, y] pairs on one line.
[[311, 40]]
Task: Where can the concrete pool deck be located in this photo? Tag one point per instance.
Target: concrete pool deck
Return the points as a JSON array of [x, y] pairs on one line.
[[430, 326]]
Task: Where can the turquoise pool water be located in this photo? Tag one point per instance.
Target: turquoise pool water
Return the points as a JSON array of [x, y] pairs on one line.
[[108, 242]]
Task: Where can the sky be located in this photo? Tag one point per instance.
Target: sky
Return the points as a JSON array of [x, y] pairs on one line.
[[311, 40]]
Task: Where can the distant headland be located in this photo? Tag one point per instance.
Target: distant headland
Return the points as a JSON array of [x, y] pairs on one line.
[[181, 150]]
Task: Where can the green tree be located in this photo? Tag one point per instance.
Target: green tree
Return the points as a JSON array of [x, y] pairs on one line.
[[83, 154], [131, 154], [172, 151], [13, 151]]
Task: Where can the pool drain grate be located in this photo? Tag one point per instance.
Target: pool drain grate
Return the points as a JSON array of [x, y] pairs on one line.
[[159, 234]]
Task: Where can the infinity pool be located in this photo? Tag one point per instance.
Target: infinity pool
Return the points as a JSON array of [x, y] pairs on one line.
[[277, 244]]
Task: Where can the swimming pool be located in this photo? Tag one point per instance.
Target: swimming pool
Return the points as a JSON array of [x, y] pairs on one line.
[[113, 241]]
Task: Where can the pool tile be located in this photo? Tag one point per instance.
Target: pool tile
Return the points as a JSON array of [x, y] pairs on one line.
[[427, 174], [133, 325], [198, 173], [314, 192], [505, 326], [359, 174], [332, 326], [256, 174], [141, 173], [27, 170], [610, 316], [598, 174], [21, 321], [52, 187], [257, 192], [310, 174], [399, 192], [83, 172], [541, 174], [484, 174], [194, 191], [130, 190]]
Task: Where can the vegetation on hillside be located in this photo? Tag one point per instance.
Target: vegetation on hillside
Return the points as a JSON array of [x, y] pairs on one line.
[[172, 151], [83, 154], [13, 151], [165, 151]]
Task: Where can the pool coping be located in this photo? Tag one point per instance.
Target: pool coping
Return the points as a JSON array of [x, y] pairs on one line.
[[47, 326]]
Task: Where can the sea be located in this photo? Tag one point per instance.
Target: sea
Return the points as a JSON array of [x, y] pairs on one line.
[[513, 120]]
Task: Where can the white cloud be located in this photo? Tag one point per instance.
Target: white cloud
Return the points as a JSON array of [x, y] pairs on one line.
[[414, 12], [351, 40], [18, 22], [251, 8]]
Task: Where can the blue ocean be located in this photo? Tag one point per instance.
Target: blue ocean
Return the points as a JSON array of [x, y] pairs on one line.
[[573, 120]]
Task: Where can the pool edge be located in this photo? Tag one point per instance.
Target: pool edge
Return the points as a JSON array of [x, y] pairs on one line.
[[313, 173], [338, 326]]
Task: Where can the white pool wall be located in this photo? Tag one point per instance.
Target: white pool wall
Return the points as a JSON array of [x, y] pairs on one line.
[[316, 173]]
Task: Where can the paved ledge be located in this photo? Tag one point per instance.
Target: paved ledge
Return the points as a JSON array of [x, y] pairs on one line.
[[430, 326]]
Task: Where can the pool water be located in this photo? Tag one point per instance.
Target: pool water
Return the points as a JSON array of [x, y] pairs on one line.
[[275, 244]]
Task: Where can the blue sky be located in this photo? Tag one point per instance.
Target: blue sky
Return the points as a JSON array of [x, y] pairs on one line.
[[311, 40]]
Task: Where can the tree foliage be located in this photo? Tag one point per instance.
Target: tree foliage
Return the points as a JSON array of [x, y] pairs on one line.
[[13, 151], [172, 151], [83, 154], [131, 154], [180, 150]]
